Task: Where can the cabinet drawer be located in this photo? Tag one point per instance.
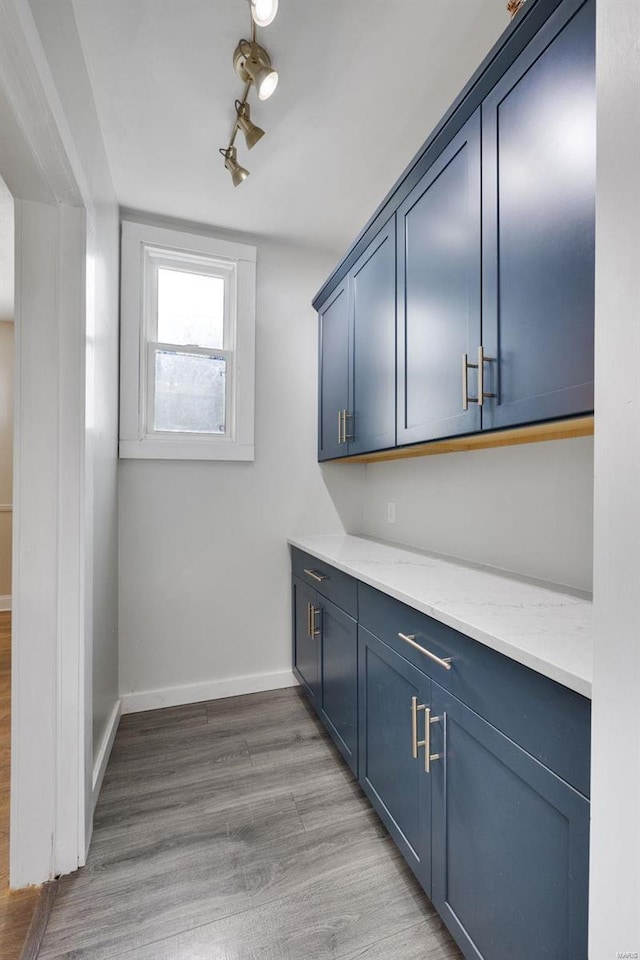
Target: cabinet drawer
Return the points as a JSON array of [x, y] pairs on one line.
[[549, 721], [329, 582]]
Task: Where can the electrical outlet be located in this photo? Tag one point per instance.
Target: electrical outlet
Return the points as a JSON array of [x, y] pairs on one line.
[[391, 511]]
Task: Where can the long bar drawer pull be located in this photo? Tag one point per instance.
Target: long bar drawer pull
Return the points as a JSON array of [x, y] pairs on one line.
[[411, 640], [320, 577]]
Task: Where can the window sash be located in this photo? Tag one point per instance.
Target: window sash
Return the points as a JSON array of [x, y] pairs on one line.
[[142, 245], [156, 259], [154, 347]]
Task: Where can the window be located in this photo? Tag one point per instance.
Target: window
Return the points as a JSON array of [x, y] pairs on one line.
[[187, 346]]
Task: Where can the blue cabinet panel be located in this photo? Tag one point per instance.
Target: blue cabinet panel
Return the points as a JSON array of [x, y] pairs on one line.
[[372, 424], [439, 289], [331, 583], [333, 375], [538, 129], [339, 699], [496, 838], [548, 720], [394, 780], [510, 845], [494, 250], [306, 639]]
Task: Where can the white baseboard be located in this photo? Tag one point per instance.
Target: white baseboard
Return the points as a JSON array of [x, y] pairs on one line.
[[211, 690], [102, 757], [5, 603]]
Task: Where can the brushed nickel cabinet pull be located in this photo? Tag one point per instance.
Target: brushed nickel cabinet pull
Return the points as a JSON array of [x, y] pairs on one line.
[[308, 619], [320, 577], [340, 440], [427, 740], [347, 416], [466, 399], [428, 756], [411, 640], [315, 630], [465, 388], [482, 396], [426, 743], [415, 743]]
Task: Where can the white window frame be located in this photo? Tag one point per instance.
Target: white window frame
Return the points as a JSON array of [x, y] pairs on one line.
[[145, 250]]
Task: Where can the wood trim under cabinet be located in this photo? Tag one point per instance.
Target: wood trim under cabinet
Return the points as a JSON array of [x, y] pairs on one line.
[[535, 433]]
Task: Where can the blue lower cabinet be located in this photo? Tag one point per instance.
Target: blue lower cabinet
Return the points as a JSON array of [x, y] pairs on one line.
[[510, 844], [306, 638], [497, 839], [393, 695], [339, 688]]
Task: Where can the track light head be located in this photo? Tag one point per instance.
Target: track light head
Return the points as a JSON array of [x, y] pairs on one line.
[[253, 65], [252, 133], [238, 173], [263, 11]]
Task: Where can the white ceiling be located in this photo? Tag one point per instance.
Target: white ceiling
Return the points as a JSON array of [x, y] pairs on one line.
[[362, 83]]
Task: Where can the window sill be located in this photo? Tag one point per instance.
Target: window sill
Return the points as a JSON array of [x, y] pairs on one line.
[[151, 448]]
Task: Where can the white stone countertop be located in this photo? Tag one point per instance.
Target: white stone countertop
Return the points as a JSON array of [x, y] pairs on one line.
[[544, 627]]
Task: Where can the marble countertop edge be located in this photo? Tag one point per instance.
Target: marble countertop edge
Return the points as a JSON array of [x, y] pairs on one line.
[[571, 668]]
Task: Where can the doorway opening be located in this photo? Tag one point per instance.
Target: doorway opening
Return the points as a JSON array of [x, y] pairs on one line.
[[16, 909]]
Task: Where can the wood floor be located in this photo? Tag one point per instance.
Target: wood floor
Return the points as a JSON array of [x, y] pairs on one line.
[[232, 831], [16, 909]]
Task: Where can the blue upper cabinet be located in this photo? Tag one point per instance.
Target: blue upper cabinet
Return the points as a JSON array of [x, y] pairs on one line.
[[371, 419], [439, 291], [486, 306], [333, 374], [538, 131], [358, 356]]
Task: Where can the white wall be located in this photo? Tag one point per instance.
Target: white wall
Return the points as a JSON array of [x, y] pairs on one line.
[[7, 253], [6, 459], [57, 29], [7, 269], [614, 921], [204, 565], [526, 509]]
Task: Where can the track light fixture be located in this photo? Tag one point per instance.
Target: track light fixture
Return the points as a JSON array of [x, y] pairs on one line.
[[252, 63], [252, 133], [238, 173], [263, 12]]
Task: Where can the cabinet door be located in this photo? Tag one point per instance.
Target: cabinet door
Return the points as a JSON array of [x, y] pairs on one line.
[[510, 844], [439, 287], [394, 780], [373, 368], [339, 700], [306, 638], [333, 376], [539, 226]]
